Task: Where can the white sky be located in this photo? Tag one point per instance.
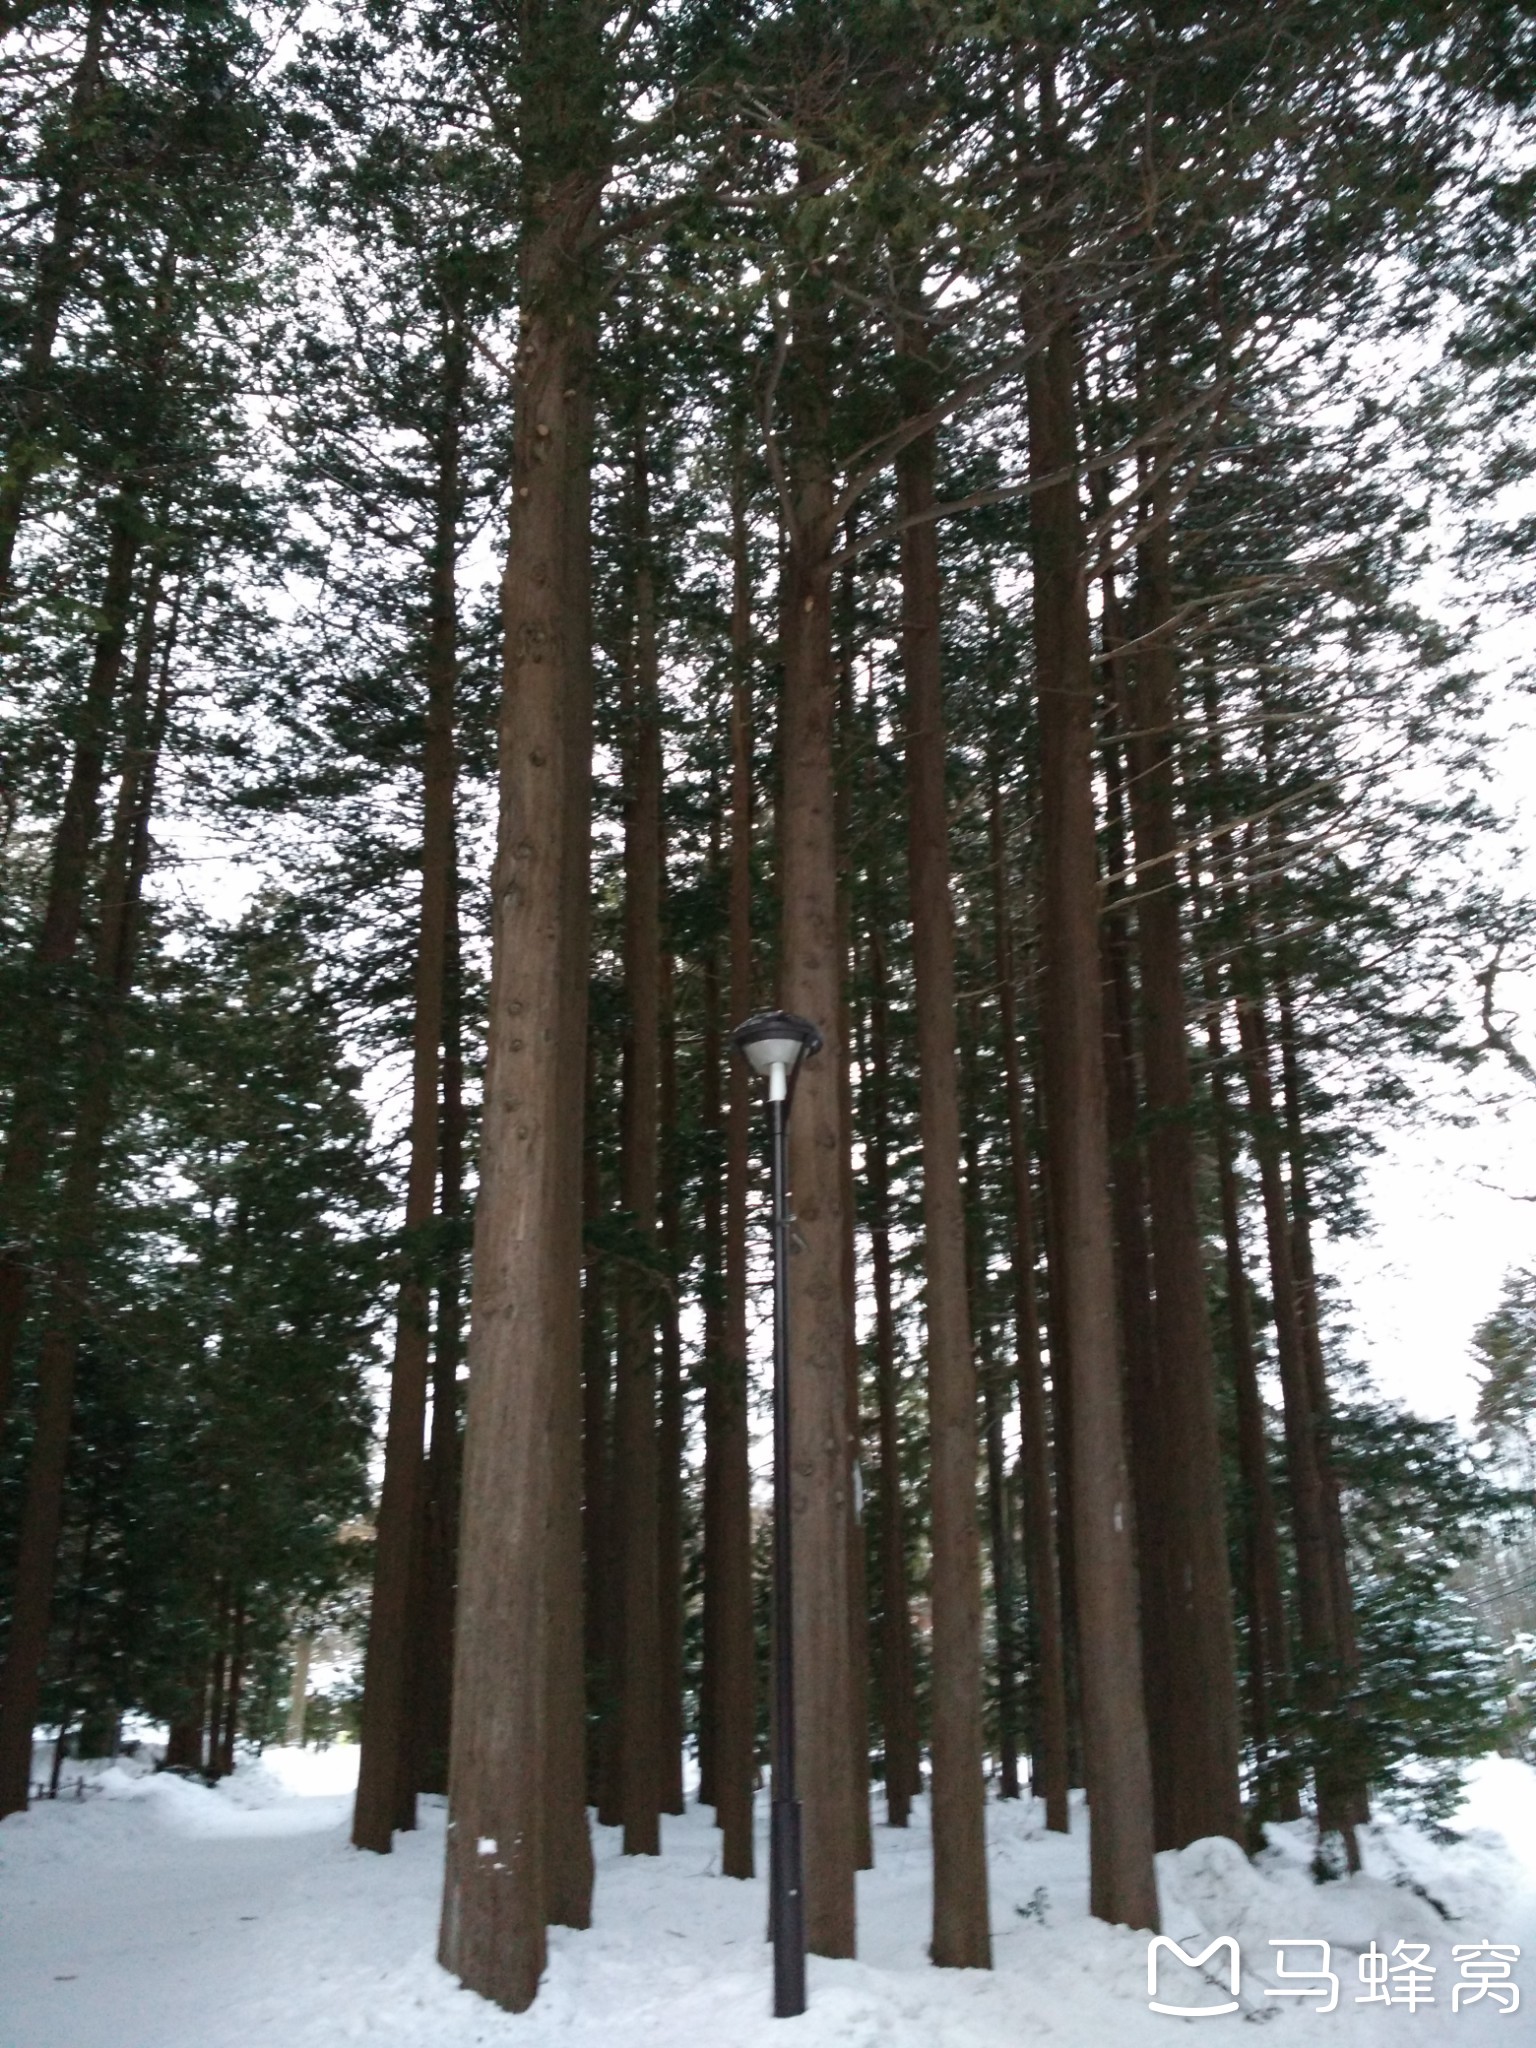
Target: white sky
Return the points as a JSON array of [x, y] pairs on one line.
[[1448, 1216]]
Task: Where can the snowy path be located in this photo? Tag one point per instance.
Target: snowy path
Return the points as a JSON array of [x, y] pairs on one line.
[[158, 1914]]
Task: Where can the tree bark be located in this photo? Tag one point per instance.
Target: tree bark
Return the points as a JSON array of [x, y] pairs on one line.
[[1122, 1886], [523, 1427], [1040, 1560], [1200, 1739], [961, 1929], [390, 1760], [811, 985]]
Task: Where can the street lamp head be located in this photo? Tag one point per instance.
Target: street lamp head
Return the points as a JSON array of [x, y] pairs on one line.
[[774, 1039]]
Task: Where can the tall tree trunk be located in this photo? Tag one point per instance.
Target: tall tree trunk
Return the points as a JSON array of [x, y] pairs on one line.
[[208, 1734], [568, 1871], [811, 985], [441, 1478], [670, 1420], [233, 1692], [55, 264], [1201, 1737], [33, 1106], [1269, 1658], [858, 1582], [1040, 1560], [635, 1434], [733, 1689], [523, 1427], [1122, 1886], [596, 1496], [961, 1930], [388, 1768], [1269, 1632], [68, 1293], [994, 1406], [903, 1774], [1320, 1641], [1354, 1791], [298, 1690], [712, 1303], [1133, 1287]]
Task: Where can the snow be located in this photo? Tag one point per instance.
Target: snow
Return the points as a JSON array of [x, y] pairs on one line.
[[154, 1912]]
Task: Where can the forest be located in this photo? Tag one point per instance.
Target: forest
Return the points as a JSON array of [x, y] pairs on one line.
[[531, 530]]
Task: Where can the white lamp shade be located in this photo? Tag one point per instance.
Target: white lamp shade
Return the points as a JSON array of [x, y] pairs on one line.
[[773, 1038], [763, 1053]]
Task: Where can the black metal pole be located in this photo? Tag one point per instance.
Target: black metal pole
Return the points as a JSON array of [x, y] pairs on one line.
[[786, 1879]]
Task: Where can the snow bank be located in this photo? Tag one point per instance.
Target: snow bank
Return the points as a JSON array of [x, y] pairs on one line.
[[162, 1914]]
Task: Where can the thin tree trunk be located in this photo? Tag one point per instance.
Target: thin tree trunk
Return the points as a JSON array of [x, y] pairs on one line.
[[1149, 1443], [961, 1930], [298, 1690], [811, 986], [670, 1422], [712, 1302], [233, 1691], [525, 1347], [994, 1406], [597, 1539], [733, 1690], [76, 1632], [208, 1734], [903, 1774], [1309, 1315], [1041, 1566], [1354, 1791], [441, 1478], [1122, 1886], [858, 1582], [635, 1421], [1269, 1647], [43, 1499], [1201, 1737], [55, 265], [1269, 1631], [1314, 1583], [388, 1768]]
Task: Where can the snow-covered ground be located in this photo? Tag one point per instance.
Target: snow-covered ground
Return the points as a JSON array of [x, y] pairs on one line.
[[154, 1913]]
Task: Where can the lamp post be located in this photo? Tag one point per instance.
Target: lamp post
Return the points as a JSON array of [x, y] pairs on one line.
[[774, 1044]]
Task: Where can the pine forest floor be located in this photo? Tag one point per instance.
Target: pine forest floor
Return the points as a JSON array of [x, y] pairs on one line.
[[156, 1913]]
